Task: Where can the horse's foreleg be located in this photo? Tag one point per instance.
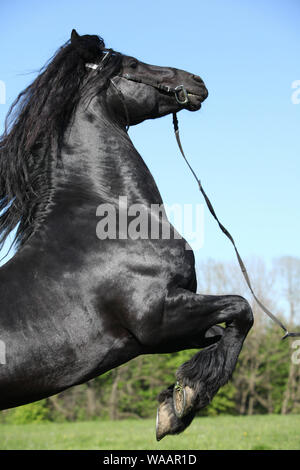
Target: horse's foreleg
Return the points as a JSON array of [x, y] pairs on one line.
[[198, 380]]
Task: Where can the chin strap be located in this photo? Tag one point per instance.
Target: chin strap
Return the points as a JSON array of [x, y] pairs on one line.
[[228, 235]]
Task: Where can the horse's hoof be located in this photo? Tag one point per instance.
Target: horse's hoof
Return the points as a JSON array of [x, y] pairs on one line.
[[183, 399], [163, 421]]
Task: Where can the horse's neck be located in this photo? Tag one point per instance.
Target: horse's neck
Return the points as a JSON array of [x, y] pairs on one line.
[[100, 159], [100, 164]]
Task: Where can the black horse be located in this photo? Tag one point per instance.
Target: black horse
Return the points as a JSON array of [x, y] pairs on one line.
[[74, 306]]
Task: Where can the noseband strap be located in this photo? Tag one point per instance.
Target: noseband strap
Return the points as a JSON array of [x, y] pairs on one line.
[[161, 87]]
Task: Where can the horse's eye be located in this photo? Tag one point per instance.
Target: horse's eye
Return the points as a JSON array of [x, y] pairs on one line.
[[133, 64]]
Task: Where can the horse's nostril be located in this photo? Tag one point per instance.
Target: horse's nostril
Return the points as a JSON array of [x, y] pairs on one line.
[[197, 78]]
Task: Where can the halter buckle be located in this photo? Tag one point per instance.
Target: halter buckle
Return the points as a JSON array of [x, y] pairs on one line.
[[185, 100]]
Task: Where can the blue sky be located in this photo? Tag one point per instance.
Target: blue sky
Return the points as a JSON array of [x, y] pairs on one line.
[[244, 143]]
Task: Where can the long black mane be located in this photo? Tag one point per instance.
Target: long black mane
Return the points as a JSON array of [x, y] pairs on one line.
[[35, 128]]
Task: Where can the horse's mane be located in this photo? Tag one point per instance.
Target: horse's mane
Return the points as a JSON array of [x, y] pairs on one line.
[[35, 127]]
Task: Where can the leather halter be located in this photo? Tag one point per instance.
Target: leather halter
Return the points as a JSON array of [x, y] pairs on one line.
[[176, 91], [160, 87]]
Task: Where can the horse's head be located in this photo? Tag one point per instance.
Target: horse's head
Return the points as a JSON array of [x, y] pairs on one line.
[[138, 91], [141, 91], [81, 74]]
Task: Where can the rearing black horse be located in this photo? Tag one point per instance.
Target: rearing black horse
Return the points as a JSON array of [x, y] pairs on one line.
[[74, 306]]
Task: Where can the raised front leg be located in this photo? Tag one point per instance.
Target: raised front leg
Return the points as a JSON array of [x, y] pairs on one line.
[[189, 321]]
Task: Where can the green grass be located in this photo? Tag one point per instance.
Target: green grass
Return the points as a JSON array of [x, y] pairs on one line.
[[220, 433]]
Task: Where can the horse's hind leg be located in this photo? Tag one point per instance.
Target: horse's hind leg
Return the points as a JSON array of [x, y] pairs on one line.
[[199, 379]]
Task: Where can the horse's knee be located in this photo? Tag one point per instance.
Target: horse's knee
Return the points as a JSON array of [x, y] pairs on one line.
[[244, 312]]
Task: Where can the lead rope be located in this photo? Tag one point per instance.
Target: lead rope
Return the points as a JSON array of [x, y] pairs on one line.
[[228, 235]]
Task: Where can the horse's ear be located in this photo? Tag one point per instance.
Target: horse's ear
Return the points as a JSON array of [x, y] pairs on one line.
[[74, 35]]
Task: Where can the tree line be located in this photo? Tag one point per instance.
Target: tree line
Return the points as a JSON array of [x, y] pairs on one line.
[[266, 379]]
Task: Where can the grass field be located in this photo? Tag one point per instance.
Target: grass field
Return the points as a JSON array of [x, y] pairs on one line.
[[219, 433]]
